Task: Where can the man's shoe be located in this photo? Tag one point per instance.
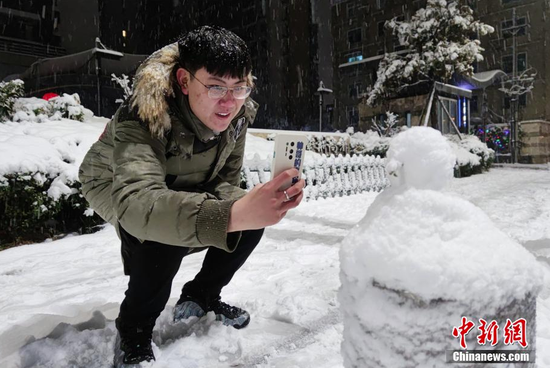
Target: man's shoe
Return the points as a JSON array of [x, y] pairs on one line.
[[187, 309], [132, 349], [230, 316]]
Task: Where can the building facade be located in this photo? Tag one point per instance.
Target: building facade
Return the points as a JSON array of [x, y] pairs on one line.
[[282, 36]]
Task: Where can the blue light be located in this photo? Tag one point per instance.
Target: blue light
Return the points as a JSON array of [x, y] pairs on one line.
[[466, 86], [459, 111]]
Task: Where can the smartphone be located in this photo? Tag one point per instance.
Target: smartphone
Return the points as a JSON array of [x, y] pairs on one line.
[[289, 152]]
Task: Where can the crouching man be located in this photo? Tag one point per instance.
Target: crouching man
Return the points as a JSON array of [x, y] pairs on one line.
[[166, 174]]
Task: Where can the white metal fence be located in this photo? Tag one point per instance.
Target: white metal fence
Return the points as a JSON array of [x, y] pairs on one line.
[[327, 176]]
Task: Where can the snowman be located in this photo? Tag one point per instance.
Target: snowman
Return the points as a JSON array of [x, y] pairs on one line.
[[426, 275]]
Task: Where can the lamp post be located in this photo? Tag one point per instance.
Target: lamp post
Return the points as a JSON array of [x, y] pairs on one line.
[[322, 90]]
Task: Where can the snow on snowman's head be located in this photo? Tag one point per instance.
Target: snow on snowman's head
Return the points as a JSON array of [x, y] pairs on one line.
[[420, 158]]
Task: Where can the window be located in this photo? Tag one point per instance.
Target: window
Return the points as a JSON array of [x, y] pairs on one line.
[[353, 56], [352, 115], [351, 9], [354, 36], [521, 62], [381, 28], [355, 89], [444, 124], [507, 27], [521, 65], [522, 101], [473, 104]]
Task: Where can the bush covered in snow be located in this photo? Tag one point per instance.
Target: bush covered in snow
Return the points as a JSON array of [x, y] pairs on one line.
[[32, 214], [40, 152], [327, 145], [472, 155], [38, 110], [9, 93]]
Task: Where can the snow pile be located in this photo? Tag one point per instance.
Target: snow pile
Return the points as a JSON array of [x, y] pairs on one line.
[[421, 259]]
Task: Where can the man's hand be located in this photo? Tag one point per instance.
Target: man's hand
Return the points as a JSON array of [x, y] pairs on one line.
[[265, 205]]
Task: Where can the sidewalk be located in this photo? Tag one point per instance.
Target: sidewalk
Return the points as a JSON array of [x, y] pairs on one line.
[[524, 166]]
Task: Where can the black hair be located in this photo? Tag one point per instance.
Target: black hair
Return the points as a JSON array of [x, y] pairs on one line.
[[220, 51]]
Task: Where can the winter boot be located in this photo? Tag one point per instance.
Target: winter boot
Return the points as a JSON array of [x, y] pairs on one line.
[[133, 346], [188, 307]]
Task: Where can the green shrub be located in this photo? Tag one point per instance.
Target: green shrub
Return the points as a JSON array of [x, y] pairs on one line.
[[9, 92], [30, 215]]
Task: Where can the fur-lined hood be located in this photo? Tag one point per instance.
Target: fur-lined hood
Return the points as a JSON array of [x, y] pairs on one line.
[[153, 82]]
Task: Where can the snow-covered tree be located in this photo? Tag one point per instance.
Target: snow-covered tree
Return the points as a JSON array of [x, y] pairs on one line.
[[439, 42]]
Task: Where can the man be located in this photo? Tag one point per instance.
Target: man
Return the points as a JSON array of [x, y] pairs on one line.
[[166, 174]]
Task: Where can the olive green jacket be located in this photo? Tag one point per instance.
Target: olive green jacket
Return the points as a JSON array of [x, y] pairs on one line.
[[124, 174]]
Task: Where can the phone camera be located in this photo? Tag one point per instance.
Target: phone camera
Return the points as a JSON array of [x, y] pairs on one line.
[[291, 151], [290, 157], [292, 144]]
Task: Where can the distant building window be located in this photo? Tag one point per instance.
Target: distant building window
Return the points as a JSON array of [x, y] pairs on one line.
[[354, 56], [352, 115], [473, 104], [507, 27], [522, 62], [351, 9], [381, 28], [355, 90], [522, 101], [354, 36], [521, 66]]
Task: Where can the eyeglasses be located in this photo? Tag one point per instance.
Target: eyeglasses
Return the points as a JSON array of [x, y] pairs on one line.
[[217, 92]]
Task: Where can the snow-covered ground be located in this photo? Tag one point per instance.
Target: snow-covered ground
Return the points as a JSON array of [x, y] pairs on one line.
[[59, 298]]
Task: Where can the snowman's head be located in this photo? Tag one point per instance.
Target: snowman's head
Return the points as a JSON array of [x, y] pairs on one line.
[[420, 158]]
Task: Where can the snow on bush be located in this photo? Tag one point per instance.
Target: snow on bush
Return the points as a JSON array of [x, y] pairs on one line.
[[9, 93], [40, 153], [421, 259], [38, 110]]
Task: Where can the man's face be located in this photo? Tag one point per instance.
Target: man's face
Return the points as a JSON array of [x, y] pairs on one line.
[[216, 114]]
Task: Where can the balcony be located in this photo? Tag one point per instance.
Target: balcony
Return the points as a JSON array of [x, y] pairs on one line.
[[22, 47]]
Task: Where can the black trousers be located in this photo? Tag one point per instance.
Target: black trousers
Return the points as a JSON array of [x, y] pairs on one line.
[[152, 266]]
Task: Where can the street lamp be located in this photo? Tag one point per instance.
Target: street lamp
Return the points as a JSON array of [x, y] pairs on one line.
[[322, 90]]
